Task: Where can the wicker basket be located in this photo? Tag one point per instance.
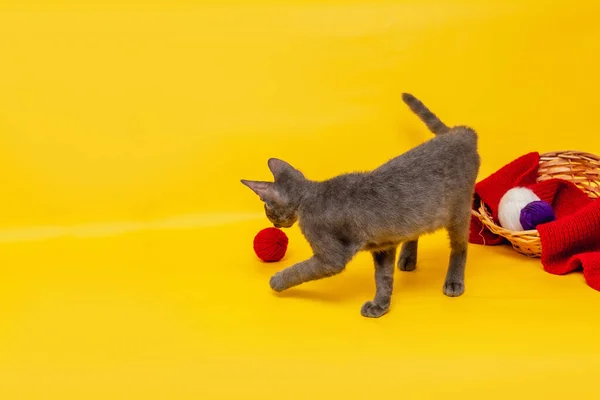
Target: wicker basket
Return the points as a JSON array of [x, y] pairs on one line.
[[583, 169]]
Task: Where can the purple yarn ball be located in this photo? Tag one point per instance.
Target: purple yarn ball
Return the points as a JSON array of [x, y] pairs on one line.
[[536, 213]]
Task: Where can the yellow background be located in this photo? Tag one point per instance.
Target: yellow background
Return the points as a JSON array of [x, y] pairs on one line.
[[125, 235]]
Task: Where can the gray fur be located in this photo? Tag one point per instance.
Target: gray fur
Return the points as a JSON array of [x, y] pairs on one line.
[[425, 189], [434, 124]]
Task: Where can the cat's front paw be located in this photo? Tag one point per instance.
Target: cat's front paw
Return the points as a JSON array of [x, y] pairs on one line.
[[454, 289], [277, 283], [372, 310]]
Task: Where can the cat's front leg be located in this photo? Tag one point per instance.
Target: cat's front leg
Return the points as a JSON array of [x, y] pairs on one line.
[[384, 282], [309, 270]]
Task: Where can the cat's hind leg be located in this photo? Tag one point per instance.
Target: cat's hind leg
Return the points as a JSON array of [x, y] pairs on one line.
[[458, 230], [408, 255], [384, 282]]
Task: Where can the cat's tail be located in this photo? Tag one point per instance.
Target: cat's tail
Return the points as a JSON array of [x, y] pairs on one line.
[[434, 124]]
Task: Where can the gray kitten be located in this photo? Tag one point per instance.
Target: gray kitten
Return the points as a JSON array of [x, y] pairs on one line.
[[425, 189]]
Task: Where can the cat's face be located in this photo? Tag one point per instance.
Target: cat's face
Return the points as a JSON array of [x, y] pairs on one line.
[[281, 205], [280, 216], [278, 208]]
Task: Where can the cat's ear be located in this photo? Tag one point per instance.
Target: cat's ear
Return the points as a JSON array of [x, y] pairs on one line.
[[279, 167], [265, 190]]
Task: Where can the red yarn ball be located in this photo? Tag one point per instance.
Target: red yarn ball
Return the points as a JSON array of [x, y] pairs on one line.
[[270, 244]]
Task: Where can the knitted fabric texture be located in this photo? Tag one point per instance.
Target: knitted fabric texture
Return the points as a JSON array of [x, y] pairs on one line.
[[571, 242]]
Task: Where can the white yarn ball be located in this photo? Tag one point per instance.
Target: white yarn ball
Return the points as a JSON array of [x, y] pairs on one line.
[[511, 204]]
